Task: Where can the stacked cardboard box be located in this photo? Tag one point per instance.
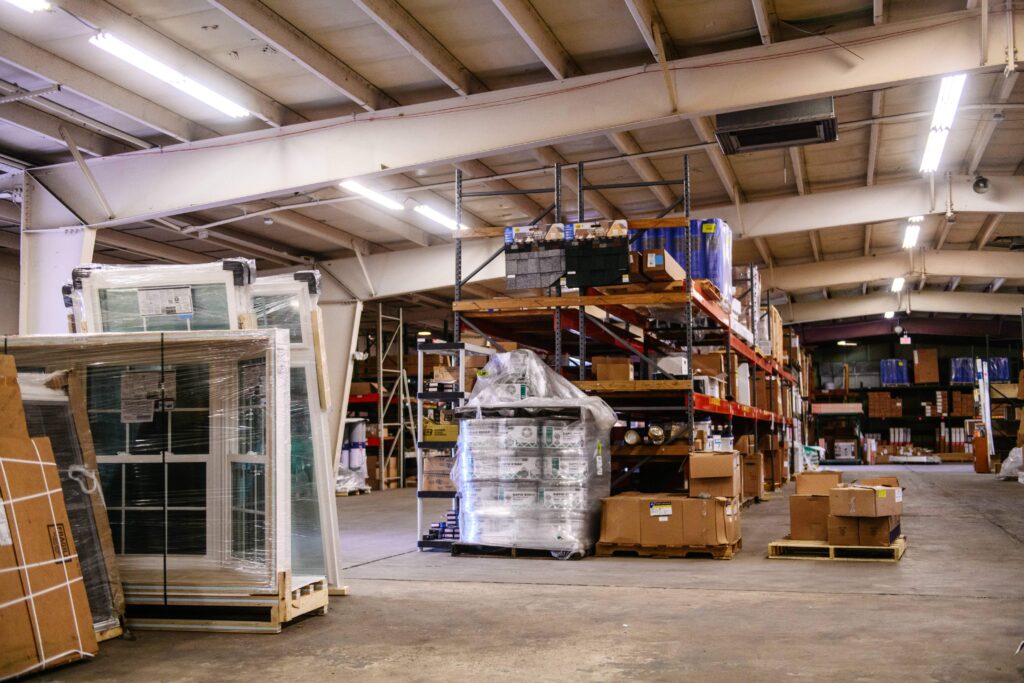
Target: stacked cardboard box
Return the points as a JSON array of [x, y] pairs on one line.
[[437, 473], [612, 368], [45, 619], [716, 475], [882, 404], [809, 506], [865, 514], [962, 404], [669, 520], [926, 366]]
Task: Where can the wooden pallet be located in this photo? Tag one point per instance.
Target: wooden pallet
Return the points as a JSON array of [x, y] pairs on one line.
[[788, 549], [717, 552], [475, 550], [352, 492], [255, 613]]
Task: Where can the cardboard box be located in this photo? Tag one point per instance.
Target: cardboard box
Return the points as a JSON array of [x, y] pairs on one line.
[[709, 364], [745, 445], [866, 501], [880, 481], [716, 475], [437, 431], [878, 531], [362, 388], [437, 473], [843, 530], [926, 366], [753, 475], [445, 373], [819, 482], [808, 517], [612, 368], [659, 266], [669, 519], [636, 270]]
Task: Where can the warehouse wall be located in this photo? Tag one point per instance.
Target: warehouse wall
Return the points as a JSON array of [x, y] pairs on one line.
[[9, 283]]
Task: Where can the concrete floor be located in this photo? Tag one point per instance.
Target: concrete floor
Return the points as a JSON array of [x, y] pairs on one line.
[[951, 610]]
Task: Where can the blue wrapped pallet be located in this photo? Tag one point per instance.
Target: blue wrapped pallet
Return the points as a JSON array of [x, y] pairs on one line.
[[961, 370], [710, 245], [999, 369], [895, 372]]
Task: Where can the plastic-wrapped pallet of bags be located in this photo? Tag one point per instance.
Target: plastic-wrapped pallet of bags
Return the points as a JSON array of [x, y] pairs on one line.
[[533, 459]]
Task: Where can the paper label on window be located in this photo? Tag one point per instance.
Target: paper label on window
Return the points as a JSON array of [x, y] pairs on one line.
[[140, 394], [899, 495], [165, 301], [135, 410], [661, 509], [5, 527]]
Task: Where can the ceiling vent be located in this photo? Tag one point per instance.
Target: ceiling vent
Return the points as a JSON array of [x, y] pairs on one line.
[[782, 125]]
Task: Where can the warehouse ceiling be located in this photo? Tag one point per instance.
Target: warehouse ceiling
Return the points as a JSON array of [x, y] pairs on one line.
[[295, 61]]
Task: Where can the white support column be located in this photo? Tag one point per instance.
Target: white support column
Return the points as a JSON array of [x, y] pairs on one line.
[[47, 259]]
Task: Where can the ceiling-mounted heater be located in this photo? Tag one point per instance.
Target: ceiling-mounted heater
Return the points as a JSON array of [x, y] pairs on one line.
[[783, 125]]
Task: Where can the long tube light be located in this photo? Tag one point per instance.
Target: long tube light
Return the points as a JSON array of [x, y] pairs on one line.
[[31, 6], [889, 315], [377, 197], [897, 284], [438, 217], [942, 121], [910, 235], [140, 60]]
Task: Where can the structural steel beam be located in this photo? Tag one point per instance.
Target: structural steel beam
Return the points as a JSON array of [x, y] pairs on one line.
[[473, 168], [49, 66], [47, 125], [404, 28], [874, 135], [550, 156], [987, 229], [796, 156], [150, 248], [212, 173], [649, 21], [807, 276], [986, 128], [538, 35], [106, 17], [644, 167], [764, 11], [975, 303], [288, 39]]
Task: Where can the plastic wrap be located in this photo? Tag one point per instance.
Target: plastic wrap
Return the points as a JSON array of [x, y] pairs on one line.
[[894, 372], [748, 312], [351, 474], [961, 371], [192, 439], [163, 298], [714, 237], [1012, 467], [533, 458], [999, 369]]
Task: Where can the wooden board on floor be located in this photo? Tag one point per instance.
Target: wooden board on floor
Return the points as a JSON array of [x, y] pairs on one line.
[[717, 552], [788, 549]]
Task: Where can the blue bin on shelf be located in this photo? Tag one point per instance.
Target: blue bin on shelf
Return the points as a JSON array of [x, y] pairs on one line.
[[999, 369], [895, 372], [961, 370]]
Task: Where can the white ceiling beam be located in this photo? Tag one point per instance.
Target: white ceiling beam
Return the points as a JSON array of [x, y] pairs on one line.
[[626, 144], [10, 240], [286, 38], [648, 20], [46, 125], [815, 244], [9, 164], [150, 248], [845, 272], [314, 228], [538, 35], [764, 12], [796, 156], [1001, 92], [987, 229], [208, 173], [570, 179], [106, 17], [388, 221], [874, 135], [50, 67], [878, 12], [474, 168], [980, 303], [705, 130], [404, 28], [943, 234], [868, 230], [764, 251], [954, 282], [997, 284]]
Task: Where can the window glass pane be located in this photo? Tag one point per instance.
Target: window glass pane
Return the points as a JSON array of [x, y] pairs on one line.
[[148, 438], [247, 516], [307, 536], [210, 307], [166, 323], [120, 310], [108, 433], [143, 485], [143, 532], [110, 482], [193, 386], [190, 432], [186, 532], [280, 311], [186, 484], [251, 411], [104, 387], [115, 530]]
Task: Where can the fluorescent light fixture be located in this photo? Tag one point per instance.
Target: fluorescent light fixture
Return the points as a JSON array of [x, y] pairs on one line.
[[31, 6], [846, 343], [897, 284], [915, 219], [911, 234], [377, 197], [122, 50], [942, 120], [423, 333], [438, 217], [889, 315]]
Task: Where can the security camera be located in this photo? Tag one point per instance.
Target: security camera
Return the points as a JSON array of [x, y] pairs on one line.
[[981, 185], [898, 329]]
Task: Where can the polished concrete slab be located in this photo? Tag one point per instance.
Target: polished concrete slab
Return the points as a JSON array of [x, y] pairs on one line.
[[951, 610]]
